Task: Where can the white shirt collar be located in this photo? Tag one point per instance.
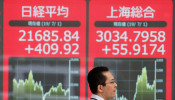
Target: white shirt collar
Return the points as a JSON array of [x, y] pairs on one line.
[[96, 97]]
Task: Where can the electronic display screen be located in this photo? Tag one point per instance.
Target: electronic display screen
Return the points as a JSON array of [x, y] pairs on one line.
[[134, 40], [48, 47], [43, 50]]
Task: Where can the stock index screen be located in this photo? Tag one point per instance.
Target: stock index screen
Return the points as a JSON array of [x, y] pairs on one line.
[[44, 49], [47, 48], [134, 39]]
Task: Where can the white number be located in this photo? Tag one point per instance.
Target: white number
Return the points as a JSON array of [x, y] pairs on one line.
[[124, 36], [144, 48], [115, 48], [54, 35], [46, 36], [76, 48], [136, 47], [161, 37], [22, 37], [154, 36], [145, 36], [116, 35], [138, 34], [38, 35], [30, 36], [100, 35], [123, 47], [161, 49], [75, 36], [54, 47], [68, 37], [154, 48], [107, 34], [46, 46], [67, 48], [38, 48]]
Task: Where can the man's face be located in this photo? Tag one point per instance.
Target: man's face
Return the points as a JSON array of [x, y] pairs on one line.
[[109, 90]]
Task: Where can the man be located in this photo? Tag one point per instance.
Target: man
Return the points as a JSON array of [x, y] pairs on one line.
[[101, 83]]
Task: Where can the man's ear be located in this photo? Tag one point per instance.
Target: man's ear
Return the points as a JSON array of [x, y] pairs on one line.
[[100, 88]]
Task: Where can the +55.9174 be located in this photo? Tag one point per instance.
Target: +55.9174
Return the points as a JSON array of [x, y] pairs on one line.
[[135, 49]]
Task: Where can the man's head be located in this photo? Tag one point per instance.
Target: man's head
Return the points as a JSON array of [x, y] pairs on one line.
[[102, 83]]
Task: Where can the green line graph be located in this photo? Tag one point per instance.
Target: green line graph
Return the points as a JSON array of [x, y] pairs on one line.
[[44, 78], [31, 90], [137, 78], [144, 91]]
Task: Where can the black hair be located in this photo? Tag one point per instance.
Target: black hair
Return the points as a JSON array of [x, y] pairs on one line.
[[95, 78]]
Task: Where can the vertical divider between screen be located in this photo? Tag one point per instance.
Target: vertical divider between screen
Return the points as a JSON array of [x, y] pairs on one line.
[[87, 43], [1, 49], [173, 56]]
